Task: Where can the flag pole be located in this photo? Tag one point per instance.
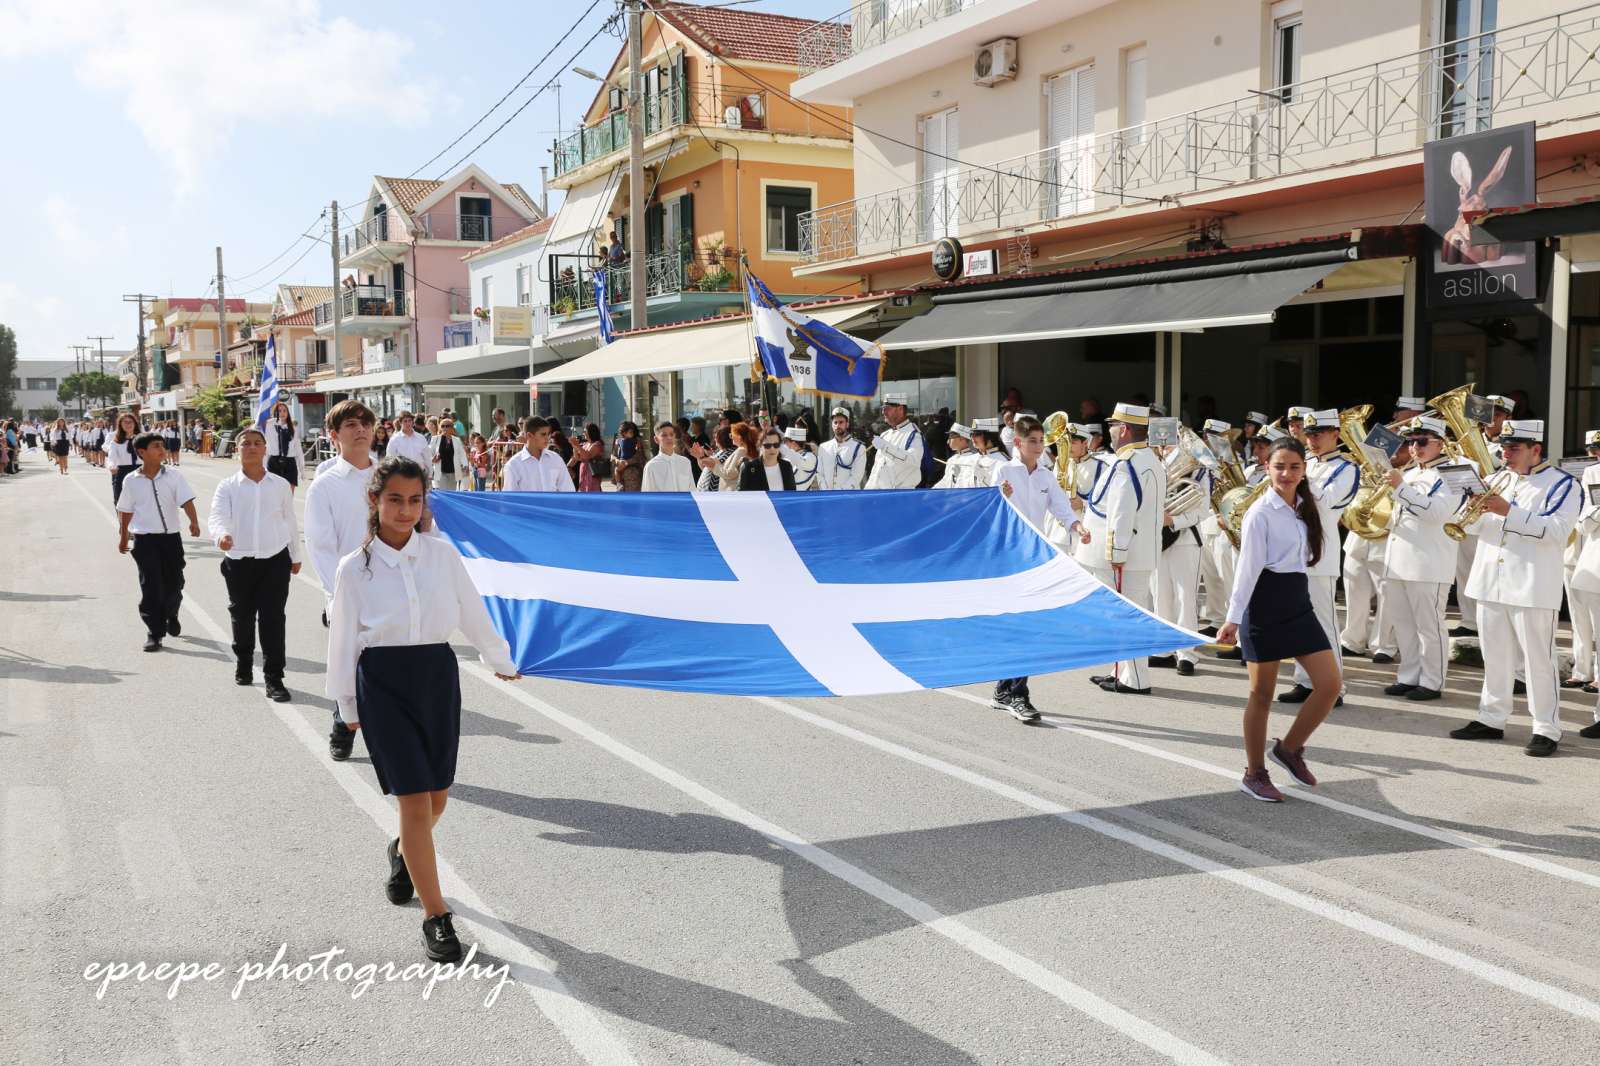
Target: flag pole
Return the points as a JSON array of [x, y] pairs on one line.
[[757, 375]]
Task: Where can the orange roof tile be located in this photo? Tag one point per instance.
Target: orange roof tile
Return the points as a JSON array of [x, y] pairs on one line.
[[736, 33], [409, 192]]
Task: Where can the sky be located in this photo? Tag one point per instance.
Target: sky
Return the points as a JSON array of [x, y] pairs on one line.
[[140, 135]]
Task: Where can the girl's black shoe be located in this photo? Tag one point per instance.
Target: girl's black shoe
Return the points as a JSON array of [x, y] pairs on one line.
[[398, 887], [439, 937]]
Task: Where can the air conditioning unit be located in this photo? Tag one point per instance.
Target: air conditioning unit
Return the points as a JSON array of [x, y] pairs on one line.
[[995, 62]]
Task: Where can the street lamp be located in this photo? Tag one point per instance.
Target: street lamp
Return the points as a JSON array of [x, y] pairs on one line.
[[591, 75]]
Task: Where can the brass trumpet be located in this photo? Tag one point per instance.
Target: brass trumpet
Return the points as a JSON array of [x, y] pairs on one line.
[[1473, 511], [1369, 513]]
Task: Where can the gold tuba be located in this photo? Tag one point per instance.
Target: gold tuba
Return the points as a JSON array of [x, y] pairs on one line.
[[1192, 453], [1058, 428], [1369, 513], [1469, 437]]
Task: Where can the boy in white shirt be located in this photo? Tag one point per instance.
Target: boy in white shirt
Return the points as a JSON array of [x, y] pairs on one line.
[[148, 509], [668, 471]]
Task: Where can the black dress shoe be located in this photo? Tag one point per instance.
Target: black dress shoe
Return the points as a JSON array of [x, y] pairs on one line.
[[1399, 688], [275, 690], [174, 627], [1352, 653], [243, 679], [1383, 657], [1591, 688], [1166, 661], [1590, 731], [1101, 679], [1111, 684], [1422, 695], [1573, 682], [1185, 667], [1463, 631], [1231, 653], [1209, 631], [152, 643], [398, 888], [1298, 694], [439, 937], [341, 741], [324, 619], [1540, 747], [1519, 688], [1476, 730]]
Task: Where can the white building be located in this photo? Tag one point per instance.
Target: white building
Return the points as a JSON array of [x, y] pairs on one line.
[[36, 383]]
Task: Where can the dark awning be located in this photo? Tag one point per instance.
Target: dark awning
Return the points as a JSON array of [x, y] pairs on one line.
[[1247, 294], [1531, 222]]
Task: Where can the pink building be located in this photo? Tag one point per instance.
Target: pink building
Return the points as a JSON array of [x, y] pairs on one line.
[[404, 280]]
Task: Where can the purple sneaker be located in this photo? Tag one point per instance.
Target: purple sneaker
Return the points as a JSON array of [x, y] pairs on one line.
[[1258, 786], [1294, 762]]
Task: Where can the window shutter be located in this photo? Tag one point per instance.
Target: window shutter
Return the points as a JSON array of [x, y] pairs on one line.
[[1062, 109], [1084, 124], [653, 221], [686, 225]]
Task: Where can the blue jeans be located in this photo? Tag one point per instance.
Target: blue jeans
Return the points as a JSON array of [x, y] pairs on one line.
[[478, 482]]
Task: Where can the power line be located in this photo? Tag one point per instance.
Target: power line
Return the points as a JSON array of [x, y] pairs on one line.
[[317, 243], [520, 81], [280, 255]]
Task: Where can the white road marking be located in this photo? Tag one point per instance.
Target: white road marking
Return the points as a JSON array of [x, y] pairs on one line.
[[924, 914], [1487, 971], [35, 858], [1443, 836], [582, 1026], [154, 859]]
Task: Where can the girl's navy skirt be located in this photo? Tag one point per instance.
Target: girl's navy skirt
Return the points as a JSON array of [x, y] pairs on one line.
[[409, 701], [1280, 622]]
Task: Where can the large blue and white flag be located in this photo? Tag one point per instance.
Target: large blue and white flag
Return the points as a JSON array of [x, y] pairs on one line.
[[818, 358], [788, 594], [603, 305], [269, 384]]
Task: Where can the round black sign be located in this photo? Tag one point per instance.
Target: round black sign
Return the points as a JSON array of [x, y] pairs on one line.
[[947, 259]]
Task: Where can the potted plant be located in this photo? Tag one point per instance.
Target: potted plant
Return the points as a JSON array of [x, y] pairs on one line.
[[481, 314], [564, 306]]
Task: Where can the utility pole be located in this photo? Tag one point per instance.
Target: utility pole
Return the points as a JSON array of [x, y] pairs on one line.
[[222, 318], [636, 194], [333, 249], [102, 342], [81, 360], [140, 298]]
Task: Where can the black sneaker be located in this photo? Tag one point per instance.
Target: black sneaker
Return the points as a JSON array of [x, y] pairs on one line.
[[439, 937], [398, 888], [275, 690], [1298, 694], [1476, 730], [1001, 703], [1399, 688], [1590, 731], [152, 643], [1185, 667], [1023, 711], [174, 627], [243, 677], [1540, 747], [1164, 661], [341, 741]]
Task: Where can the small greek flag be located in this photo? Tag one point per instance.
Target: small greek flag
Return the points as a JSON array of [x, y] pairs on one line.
[[815, 356], [269, 384], [603, 305]]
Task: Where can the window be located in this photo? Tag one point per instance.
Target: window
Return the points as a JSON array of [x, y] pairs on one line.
[[524, 286], [1070, 162], [1286, 46], [1466, 65], [1134, 88], [487, 289], [785, 204], [940, 135], [317, 348], [42, 383]]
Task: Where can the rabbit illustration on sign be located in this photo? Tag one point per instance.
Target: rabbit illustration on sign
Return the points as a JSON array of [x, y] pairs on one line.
[[1458, 247]]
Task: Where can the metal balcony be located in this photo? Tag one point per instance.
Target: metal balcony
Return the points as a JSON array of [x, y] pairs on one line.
[[364, 310], [1513, 74], [572, 281], [866, 24], [727, 109]]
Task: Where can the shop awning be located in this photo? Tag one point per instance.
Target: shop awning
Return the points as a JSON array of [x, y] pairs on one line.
[[1531, 222], [1130, 304], [723, 343]]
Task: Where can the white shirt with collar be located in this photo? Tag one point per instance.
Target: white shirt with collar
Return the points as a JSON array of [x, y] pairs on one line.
[[258, 515], [120, 454], [668, 473], [1134, 494], [1518, 562], [1272, 537], [1418, 548], [1335, 480], [336, 517], [413, 446], [156, 504], [899, 461], [1036, 493], [961, 471], [842, 465], [546, 473], [804, 462], [1586, 574], [419, 594], [275, 446]]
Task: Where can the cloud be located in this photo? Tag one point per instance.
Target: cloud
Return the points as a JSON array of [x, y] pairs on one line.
[[189, 74]]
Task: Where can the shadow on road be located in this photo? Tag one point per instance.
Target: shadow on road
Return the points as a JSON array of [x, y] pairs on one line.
[[27, 668]]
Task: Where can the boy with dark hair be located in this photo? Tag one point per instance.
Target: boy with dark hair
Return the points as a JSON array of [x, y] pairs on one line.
[[148, 509]]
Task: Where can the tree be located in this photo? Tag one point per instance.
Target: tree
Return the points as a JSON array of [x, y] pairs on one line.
[[88, 386], [215, 406], [8, 370], [48, 414]]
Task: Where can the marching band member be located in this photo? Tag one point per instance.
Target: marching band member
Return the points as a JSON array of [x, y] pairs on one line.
[[1583, 593], [1296, 421], [801, 457], [1260, 446], [1516, 580], [1097, 438], [1503, 406], [1060, 533], [1418, 563], [960, 469], [990, 456], [1035, 493], [1363, 575], [1216, 551], [1334, 482], [1132, 500], [1253, 421], [898, 449], [842, 460], [1177, 576], [1093, 479]]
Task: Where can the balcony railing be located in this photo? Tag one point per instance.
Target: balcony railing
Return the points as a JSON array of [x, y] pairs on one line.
[[371, 231], [362, 300], [572, 280], [869, 23], [677, 106], [1512, 74]]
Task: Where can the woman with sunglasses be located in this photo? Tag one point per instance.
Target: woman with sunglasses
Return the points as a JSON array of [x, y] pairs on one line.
[[771, 472], [1272, 616]]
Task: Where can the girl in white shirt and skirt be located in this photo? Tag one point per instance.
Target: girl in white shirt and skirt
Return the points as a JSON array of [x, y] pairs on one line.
[[1271, 615], [396, 602]]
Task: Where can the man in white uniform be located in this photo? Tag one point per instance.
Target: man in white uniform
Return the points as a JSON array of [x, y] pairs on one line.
[[409, 443], [1502, 406], [1516, 580], [1132, 502], [1419, 563], [801, 458], [1363, 576], [536, 468], [1177, 577], [1583, 589], [1334, 483], [1093, 481], [961, 468], [1583, 592], [1216, 551], [842, 460], [899, 448]]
